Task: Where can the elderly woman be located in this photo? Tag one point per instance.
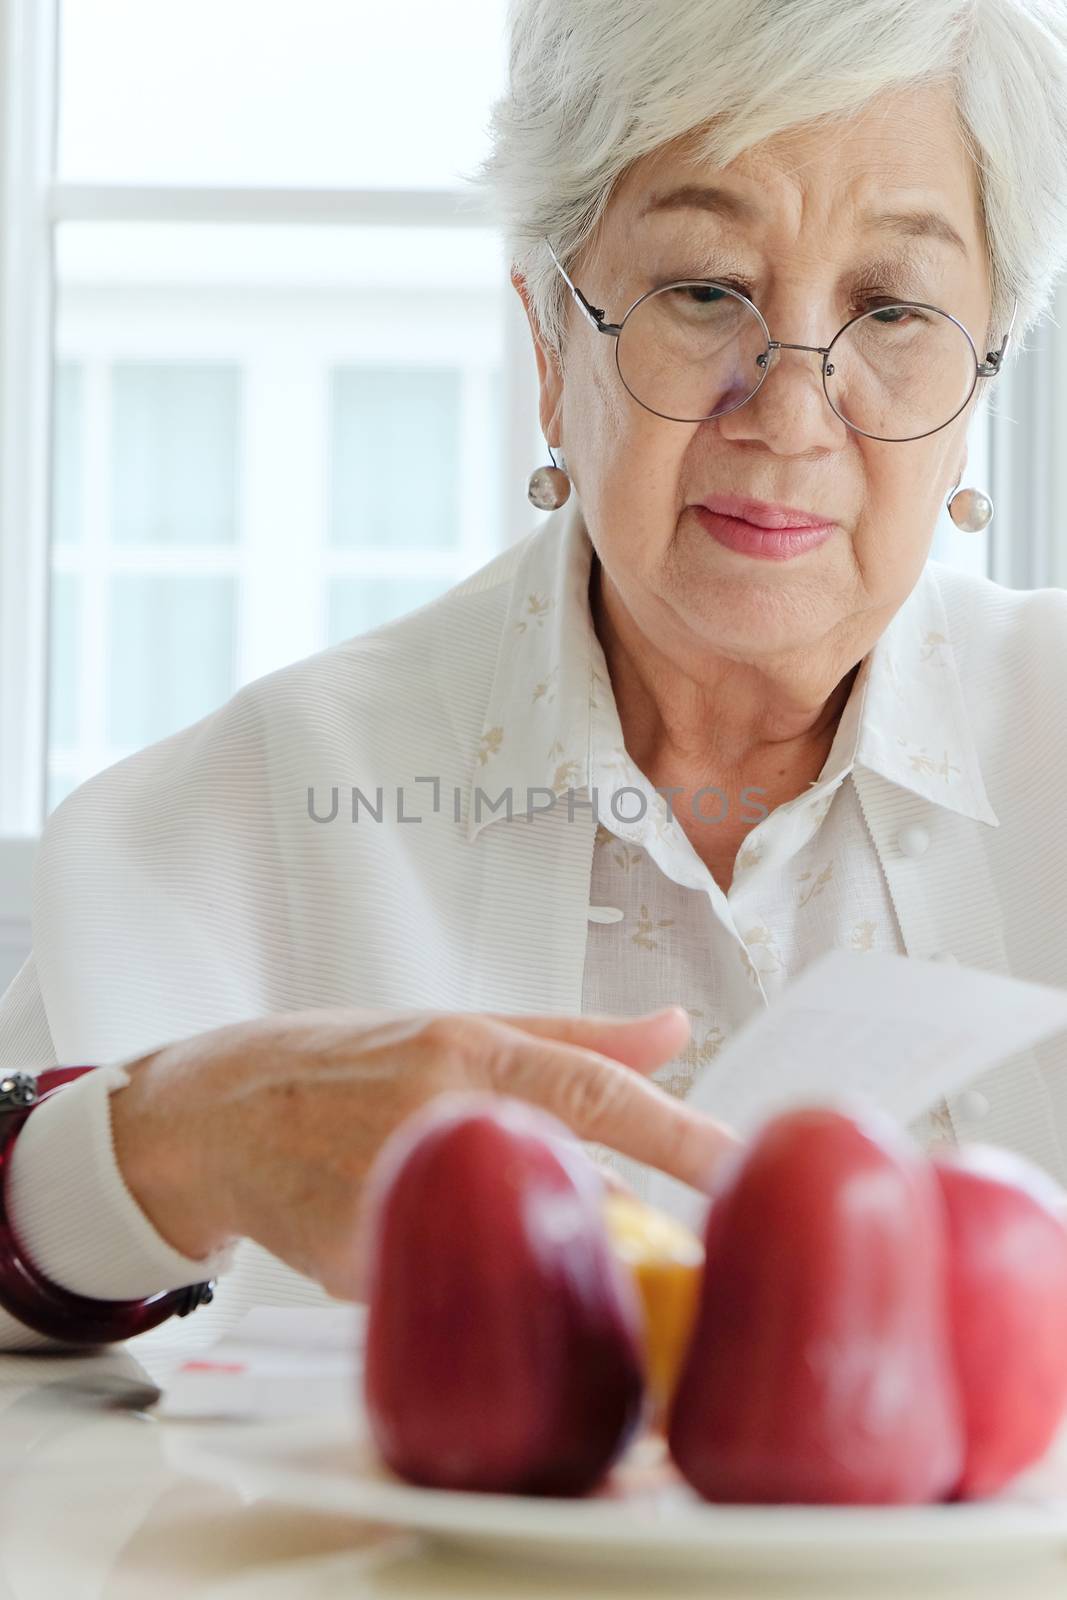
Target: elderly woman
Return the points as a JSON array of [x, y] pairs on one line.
[[716, 715]]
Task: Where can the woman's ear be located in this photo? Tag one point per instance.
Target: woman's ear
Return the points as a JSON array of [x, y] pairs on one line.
[[549, 376]]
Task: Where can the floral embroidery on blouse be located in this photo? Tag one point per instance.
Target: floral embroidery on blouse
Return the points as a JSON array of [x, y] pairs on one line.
[[566, 773], [932, 643], [627, 855], [537, 607], [546, 689], [921, 762], [490, 743], [861, 937], [765, 957], [708, 1046], [646, 928], [750, 855], [820, 883]]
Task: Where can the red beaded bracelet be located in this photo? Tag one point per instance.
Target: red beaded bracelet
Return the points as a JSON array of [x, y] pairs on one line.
[[32, 1298]]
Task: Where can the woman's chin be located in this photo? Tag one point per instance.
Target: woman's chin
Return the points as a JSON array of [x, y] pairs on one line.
[[742, 615]]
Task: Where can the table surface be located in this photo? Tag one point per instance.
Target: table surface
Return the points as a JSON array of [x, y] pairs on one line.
[[99, 1502]]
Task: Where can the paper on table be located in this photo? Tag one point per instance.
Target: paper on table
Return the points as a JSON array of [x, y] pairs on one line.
[[900, 1032], [277, 1362]]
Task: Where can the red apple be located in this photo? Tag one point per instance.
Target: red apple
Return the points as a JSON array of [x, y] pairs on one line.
[[504, 1337], [820, 1366], [1008, 1279]]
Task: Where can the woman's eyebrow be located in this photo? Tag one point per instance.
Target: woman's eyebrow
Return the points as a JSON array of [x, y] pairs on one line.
[[917, 225], [924, 223], [704, 197]]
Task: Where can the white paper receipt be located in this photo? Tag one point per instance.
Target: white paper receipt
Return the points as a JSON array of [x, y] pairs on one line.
[[900, 1032]]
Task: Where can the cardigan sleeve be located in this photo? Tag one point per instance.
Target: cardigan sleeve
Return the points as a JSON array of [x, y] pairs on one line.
[[68, 1203]]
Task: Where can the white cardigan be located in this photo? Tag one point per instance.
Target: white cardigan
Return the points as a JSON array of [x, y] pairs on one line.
[[187, 886]]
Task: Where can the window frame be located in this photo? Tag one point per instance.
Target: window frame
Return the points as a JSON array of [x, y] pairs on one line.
[[27, 144]]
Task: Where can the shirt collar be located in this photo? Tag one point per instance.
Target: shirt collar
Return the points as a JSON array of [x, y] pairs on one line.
[[912, 723], [906, 717]]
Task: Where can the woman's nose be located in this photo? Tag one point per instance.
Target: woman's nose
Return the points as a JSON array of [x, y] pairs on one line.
[[789, 412]]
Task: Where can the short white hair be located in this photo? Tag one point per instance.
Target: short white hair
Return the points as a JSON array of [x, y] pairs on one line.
[[596, 84]]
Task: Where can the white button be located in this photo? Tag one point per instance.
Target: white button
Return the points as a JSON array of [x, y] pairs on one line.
[[913, 841], [605, 914], [971, 1105], [946, 956]]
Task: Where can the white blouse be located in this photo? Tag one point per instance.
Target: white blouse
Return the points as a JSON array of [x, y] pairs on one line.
[[161, 908], [661, 929], [806, 879]]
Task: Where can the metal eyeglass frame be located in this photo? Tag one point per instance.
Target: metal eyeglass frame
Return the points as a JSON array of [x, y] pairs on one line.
[[982, 369]]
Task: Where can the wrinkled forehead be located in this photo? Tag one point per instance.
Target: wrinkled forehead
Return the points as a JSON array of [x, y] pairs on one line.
[[905, 153]]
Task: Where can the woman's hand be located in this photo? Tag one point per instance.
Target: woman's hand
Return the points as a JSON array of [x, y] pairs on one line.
[[266, 1129]]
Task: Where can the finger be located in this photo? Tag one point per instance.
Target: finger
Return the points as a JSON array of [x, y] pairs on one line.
[[605, 1101], [644, 1042]]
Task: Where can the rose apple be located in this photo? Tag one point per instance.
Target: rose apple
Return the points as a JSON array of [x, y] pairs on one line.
[[504, 1337], [1008, 1283], [820, 1367]]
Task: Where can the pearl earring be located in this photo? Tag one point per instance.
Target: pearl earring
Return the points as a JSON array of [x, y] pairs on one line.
[[549, 487], [970, 509]]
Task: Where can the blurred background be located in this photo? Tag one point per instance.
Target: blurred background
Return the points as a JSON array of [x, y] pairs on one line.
[[264, 382]]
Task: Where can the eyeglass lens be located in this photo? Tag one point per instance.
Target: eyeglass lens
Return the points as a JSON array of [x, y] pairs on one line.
[[693, 351]]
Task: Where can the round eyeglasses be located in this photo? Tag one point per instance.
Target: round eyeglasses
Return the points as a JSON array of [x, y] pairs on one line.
[[697, 349]]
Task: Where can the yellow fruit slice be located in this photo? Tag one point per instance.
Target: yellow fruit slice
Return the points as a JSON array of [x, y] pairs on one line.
[[667, 1260]]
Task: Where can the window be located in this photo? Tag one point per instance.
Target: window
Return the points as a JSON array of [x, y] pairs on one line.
[[237, 407], [358, 604], [329, 93], [394, 425], [174, 452], [68, 479], [242, 375]]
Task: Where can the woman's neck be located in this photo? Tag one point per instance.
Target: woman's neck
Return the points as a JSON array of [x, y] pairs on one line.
[[734, 720]]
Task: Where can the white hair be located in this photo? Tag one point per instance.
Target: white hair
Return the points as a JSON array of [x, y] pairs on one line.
[[596, 84]]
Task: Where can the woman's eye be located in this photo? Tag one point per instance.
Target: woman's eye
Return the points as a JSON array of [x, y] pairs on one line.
[[705, 294], [892, 313], [883, 309], [708, 294], [896, 306]]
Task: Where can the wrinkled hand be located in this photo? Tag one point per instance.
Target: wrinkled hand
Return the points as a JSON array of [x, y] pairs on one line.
[[267, 1129]]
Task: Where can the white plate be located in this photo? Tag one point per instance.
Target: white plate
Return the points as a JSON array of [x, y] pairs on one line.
[[644, 1516]]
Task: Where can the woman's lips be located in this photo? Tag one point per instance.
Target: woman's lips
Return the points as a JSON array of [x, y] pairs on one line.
[[764, 513], [770, 544]]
